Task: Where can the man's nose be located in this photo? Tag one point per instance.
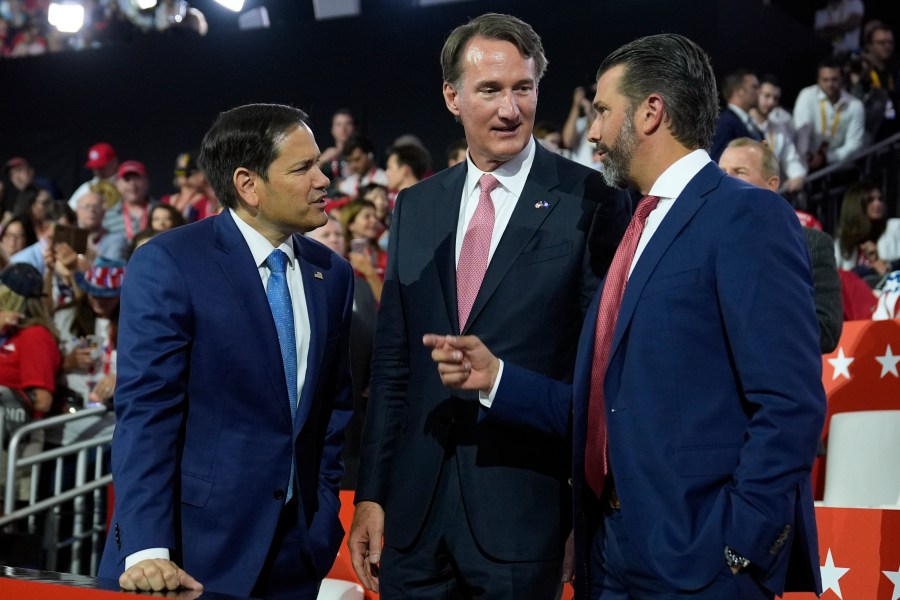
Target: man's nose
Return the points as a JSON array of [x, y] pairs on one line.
[[509, 108]]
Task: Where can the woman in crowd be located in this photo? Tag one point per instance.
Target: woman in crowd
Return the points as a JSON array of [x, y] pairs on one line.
[[164, 217], [362, 225], [194, 198], [378, 196], [29, 351], [867, 242], [15, 236], [34, 205]]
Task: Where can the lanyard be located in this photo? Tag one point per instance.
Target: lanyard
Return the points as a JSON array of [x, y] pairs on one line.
[[876, 80], [126, 215], [834, 124]]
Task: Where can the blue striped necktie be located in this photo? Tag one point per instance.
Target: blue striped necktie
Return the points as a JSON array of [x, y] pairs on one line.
[[283, 313]]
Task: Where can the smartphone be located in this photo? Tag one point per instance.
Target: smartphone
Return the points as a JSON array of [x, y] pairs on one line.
[[360, 246], [75, 237]]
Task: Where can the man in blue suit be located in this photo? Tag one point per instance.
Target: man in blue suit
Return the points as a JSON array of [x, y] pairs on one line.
[[740, 90], [466, 508], [695, 411], [233, 384]]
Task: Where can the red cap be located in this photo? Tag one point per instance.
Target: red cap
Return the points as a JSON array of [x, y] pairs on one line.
[[100, 155], [15, 161], [132, 166]]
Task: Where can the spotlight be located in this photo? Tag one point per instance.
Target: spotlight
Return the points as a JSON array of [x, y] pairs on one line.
[[235, 5], [145, 4], [67, 17], [330, 9]]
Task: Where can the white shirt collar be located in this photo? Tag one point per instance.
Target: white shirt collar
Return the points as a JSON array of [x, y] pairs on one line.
[[674, 179], [840, 104], [744, 115], [260, 247], [512, 174]]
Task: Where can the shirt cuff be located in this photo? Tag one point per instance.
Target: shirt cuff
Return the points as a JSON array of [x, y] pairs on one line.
[[148, 554], [488, 399]]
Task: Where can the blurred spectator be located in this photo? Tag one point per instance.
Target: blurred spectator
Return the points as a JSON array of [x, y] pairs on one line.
[[19, 176], [30, 41], [333, 160], [104, 163], [90, 211], [830, 122], [29, 353], [164, 217], [15, 236], [838, 22], [876, 84], [406, 166], [34, 203], [456, 152], [549, 135], [575, 129], [867, 241], [779, 133], [58, 212], [141, 238], [132, 213], [366, 256], [192, 198], [362, 334], [360, 154], [379, 197], [740, 90]]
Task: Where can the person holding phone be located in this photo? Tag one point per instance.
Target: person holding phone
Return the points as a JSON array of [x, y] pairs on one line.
[[365, 254]]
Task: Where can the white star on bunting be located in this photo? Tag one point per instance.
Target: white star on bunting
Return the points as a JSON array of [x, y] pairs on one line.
[[888, 362], [831, 576], [894, 576], [841, 365]]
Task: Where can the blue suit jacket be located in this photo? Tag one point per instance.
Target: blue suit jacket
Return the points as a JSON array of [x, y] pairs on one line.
[[530, 305], [203, 442], [714, 400], [729, 127]]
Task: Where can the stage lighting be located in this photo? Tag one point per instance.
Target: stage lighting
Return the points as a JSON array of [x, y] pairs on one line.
[[329, 9], [145, 4], [235, 5], [255, 18], [67, 17]]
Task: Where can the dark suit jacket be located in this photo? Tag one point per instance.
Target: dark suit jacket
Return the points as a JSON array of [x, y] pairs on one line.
[[714, 399], [530, 306], [729, 127], [827, 287], [203, 441]]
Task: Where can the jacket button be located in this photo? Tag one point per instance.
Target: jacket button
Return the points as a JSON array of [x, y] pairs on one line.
[[279, 494]]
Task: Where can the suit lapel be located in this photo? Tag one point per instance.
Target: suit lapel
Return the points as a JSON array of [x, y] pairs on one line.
[[445, 216], [316, 307], [238, 267], [686, 206], [526, 219]]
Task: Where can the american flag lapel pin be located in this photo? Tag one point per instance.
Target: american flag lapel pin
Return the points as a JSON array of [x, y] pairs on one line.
[[542, 204], [318, 275]]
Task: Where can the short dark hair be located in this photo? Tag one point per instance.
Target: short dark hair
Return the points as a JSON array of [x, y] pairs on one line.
[[416, 158], [677, 69], [492, 26], [830, 62], [733, 82], [771, 80], [248, 136], [455, 147], [871, 27], [361, 142]]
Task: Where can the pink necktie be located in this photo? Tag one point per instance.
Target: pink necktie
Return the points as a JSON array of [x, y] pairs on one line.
[[476, 247], [595, 452]]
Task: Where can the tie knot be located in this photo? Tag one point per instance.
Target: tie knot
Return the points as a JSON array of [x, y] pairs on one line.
[[645, 207], [277, 261], [488, 183]]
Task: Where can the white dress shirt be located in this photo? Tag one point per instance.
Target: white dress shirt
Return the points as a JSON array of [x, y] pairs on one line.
[[780, 140], [261, 248], [842, 126]]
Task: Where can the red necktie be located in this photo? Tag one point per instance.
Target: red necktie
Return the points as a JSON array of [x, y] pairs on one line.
[[476, 248], [595, 459]]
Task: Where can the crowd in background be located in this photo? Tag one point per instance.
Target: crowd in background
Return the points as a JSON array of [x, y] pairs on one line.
[[67, 254]]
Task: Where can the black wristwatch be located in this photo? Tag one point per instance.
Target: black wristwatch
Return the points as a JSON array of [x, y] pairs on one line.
[[734, 559]]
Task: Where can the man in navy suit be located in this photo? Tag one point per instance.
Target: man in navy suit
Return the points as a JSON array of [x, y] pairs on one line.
[[467, 508], [740, 91], [230, 420], [710, 397]]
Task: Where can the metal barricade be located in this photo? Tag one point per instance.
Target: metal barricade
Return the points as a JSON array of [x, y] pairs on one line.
[[86, 492]]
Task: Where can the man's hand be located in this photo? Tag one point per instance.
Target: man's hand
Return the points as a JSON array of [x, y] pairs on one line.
[[464, 362], [157, 575], [365, 542]]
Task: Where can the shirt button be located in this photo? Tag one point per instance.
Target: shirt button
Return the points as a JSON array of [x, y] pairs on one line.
[[279, 494]]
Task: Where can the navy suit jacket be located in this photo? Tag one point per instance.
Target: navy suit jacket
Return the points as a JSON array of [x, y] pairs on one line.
[[729, 127], [203, 442], [531, 306], [714, 399]]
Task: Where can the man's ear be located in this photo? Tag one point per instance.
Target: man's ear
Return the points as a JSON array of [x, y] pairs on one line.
[[650, 114], [246, 184], [450, 95]]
